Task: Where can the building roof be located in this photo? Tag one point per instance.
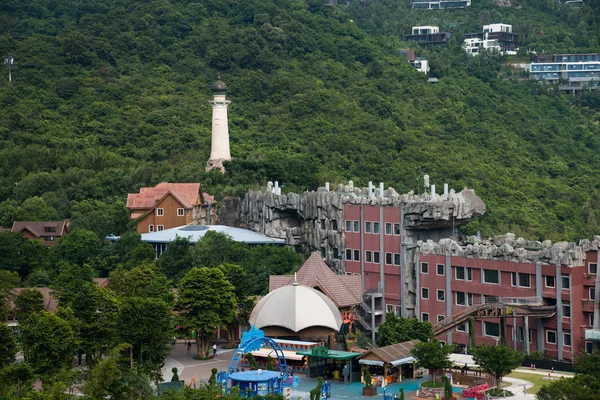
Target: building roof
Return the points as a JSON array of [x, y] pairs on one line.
[[333, 354], [194, 234], [296, 307], [50, 303], [38, 228], [344, 290], [188, 194], [393, 354]]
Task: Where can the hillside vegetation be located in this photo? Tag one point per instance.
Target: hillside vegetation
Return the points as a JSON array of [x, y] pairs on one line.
[[112, 95]]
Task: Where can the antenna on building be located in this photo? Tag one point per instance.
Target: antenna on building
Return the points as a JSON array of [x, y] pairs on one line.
[[9, 63]]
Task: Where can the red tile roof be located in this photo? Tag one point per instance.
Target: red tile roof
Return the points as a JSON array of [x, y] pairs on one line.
[[38, 228], [102, 282], [187, 193], [50, 303], [344, 290]]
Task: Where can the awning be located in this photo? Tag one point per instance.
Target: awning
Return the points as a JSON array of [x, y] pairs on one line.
[[406, 360], [370, 362], [265, 352]]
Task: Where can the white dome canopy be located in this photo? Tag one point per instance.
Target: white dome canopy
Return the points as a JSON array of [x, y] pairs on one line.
[[296, 307]]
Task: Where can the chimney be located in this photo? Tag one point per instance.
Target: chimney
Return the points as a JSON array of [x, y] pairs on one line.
[[277, 187], [380, 189], [432, 192], [327, 186], [445, 190], [370, 187]]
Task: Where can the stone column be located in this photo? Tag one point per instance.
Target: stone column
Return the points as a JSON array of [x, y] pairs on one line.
[[559, 312], [526, 334], [219, 150], [449, 297]]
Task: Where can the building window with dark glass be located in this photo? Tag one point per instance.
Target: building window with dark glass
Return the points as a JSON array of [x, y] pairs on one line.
[[424, 268], [440, 317], [376, 257], [424, 293], [424, 317], [388, 228], [348, 255], [323, 252], [367, 227], [550, 281], [441, 295], [551, 337], [388, 258], [396, 258], [566, 311], [491, 329], [567, 339], [491, 276], [368, 256], [356, 255], [592, 293], [348, 226], [440, 269], [397, 229], [334, 225], [375, 227], [460, 273], [356, 226], [592, 268], [566, 282]]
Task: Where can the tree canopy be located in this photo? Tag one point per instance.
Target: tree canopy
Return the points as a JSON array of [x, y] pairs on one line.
[[498, 361], [432, 355], [396, 329]]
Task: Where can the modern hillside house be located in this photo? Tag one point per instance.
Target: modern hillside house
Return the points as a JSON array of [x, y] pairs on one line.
[[572, 72], [169, 205], [49, 232], [440, 4], [495, 37], [427, 35]]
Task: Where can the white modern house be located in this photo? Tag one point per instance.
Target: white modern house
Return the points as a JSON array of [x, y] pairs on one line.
[[572, 72], [440, 4], [495, 37]]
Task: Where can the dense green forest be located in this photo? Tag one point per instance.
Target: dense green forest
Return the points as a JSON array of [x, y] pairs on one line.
[[111, 95]]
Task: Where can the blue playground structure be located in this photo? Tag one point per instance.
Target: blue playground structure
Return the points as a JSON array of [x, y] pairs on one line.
[[259, 382]]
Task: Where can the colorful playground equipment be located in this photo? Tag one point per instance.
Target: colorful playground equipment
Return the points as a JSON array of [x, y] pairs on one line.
[[255, 382], [476, 392]]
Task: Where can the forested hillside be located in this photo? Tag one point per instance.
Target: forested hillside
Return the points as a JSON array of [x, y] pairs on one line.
[[112, 95]]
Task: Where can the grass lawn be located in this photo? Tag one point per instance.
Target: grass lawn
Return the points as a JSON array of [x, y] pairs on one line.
[[537, 380]]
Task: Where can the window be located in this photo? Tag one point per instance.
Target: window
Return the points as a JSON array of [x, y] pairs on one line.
[[440, 269], [440, 317], [336, 253], [50, 238], [181, 213], [398, 310], [334, 225], [367, 227], [589, 347], [491, 329], [592, 293], [50, 229], [388, 228], [469, 274], [566, 311], [424, 293], [462, 327], [375, 227], [491, 276], [424, 268], [323, 224], [592, 268], [376, 257], [490, 299], [460, 298], [567, 339], [459, 272], [160, 228], [591, 321], [356, 226], [323, 252], [520, 280], [368, 256], [550, 282], [389, 308], [348, 226], [388, 258], [160, 212], [397, 229], [441, 295], [566, 282], [150, 228], [348, 255], [356, 255], [424, 317], [396, 258], [551, 337]]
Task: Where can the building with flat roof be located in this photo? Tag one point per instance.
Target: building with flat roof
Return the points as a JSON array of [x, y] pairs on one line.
[[426, 35], [440, 4], [571, 72], [495, 37]]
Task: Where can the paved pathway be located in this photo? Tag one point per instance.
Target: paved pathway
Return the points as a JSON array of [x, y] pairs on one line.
[[187, 367], [544, 372]]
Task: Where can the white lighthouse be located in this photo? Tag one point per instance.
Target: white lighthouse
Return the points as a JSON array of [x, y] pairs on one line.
[[219, 150]]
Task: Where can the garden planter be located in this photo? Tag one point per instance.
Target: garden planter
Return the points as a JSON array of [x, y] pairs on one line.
[[370, 391]]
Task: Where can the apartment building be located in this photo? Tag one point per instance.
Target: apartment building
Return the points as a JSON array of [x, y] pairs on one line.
[[440, 4], [426, 35], [495, 37], [571, 72]]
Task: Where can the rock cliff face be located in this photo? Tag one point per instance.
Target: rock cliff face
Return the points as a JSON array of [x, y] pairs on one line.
[[509, 248], [315, 220]]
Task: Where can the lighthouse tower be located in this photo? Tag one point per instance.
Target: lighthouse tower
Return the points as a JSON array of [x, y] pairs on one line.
[[219, 150]]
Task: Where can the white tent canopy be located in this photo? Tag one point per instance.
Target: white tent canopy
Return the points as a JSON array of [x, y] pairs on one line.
[[462, 360]]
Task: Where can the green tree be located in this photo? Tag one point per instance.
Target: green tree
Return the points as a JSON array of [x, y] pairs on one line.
[[263, 261], [21, 255], [588, 364], [237, 276], [206, 302], [396, 329], [106, 378], [8, 346], [48, 343], [580, 387], [16, 380], [498, 361], [96, 310], [71, 280], [177, 260], [8, 281], [432, 355], [79, 247], [217, 248], [146, 324], [143, 281], [27, 302]]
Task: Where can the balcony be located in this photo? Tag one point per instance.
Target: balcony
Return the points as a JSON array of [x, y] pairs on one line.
[[592, 334]]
